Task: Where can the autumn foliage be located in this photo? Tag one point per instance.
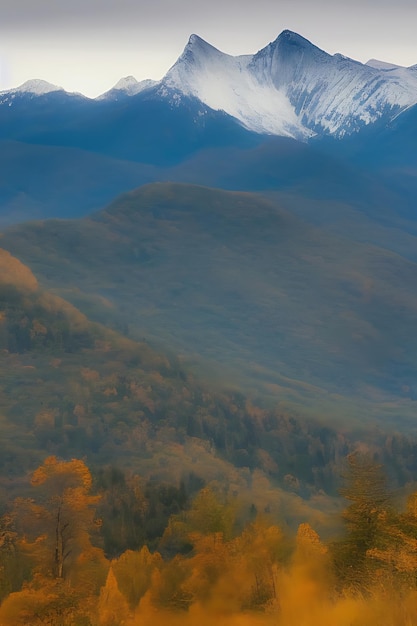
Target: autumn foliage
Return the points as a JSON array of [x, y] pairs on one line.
[[210, 565]]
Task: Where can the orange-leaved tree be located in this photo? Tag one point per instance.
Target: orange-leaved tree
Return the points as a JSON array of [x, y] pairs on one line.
[[59, 521]]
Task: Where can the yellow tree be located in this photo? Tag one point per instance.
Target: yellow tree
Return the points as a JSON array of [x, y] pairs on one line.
[[133, 571], [261, 548], [208, 516], [44, 602], [61, 518], [113, 608], [167, 590]]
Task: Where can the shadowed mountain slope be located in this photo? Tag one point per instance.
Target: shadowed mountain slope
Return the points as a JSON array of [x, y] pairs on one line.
[[38, 181], [239, 281], [64, 155]]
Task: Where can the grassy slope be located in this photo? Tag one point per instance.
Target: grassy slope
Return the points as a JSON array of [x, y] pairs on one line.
[[322, 322]]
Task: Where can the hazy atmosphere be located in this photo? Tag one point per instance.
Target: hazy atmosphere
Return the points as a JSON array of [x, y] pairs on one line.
[[208, 304], [88, 46]]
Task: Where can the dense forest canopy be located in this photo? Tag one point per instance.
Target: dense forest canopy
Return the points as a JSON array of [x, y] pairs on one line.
[[74, 388], [59, 565]]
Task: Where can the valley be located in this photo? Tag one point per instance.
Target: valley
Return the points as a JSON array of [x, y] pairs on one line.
[[208, 354]]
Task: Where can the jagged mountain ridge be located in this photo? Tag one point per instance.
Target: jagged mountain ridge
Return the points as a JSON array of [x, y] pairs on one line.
[[292, 87], [289, 88], [139, 132], [227, 83]]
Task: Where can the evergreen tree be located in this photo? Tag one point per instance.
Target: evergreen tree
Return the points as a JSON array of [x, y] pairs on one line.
[[366, 519]]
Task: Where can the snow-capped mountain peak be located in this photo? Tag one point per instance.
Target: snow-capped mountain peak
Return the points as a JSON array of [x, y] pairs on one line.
[[198, 52], [127, 86], [292, 87], [36, 87], [289, 88], [291, 41], [29, 89], [224, 82], [196, 43], [126, 83]]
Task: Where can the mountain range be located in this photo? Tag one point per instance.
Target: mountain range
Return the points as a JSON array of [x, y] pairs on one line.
[[289, 88], [347, 115], [267, 219]]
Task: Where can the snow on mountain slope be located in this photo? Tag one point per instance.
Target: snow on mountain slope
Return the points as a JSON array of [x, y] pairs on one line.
[[127, 86], [35, 87], [291, 87], [224, 82], [382, 65], [332, 93]]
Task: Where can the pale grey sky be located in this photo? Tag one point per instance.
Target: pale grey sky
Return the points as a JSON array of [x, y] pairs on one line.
[[87, 45]]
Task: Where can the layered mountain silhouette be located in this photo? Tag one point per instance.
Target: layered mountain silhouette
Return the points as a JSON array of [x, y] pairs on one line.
[[304, 288], [241, 282], [290, 88], [208, 106]]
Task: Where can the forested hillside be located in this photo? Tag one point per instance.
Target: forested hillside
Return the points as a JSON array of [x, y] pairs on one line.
[[134, 492], [74, 388]]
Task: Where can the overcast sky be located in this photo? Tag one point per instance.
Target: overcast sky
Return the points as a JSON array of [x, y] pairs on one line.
[[87, 45]]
